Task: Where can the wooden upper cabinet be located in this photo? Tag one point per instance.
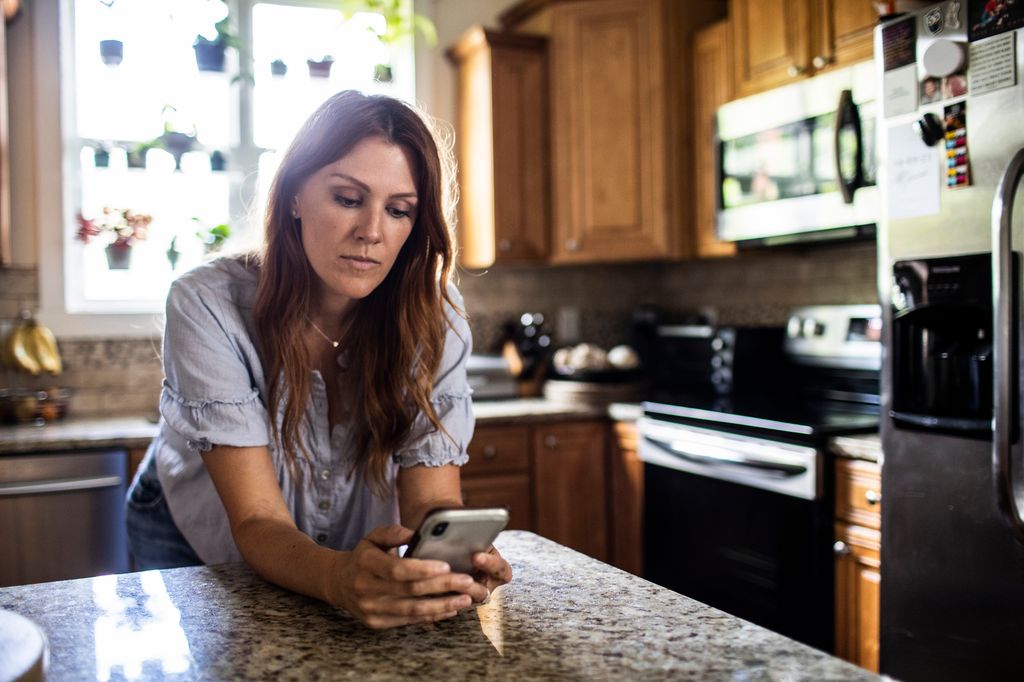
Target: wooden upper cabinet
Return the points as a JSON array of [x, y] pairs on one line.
[[712, 74], [502, 147], [779, 41], [845, 32], [771, 41]]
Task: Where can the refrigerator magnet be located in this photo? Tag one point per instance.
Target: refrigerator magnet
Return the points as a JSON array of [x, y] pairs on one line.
[[991, 17], [957, 161]]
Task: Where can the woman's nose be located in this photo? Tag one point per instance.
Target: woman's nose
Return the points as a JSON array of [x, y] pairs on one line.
[[370, 227]]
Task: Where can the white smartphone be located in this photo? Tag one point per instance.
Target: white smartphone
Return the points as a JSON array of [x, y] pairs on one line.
[[455, 534]]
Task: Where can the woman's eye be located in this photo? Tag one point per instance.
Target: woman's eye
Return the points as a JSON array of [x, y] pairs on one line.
[[347, 202], [398, 213]]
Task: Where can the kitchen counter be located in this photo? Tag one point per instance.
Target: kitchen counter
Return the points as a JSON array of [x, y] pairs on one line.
[[136, 432], [867, 447], [564, 616]]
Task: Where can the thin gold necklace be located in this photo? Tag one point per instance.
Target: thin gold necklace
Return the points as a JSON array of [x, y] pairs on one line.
[[321, 333]]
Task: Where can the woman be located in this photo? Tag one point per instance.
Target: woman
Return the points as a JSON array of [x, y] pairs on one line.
[[316, 396]]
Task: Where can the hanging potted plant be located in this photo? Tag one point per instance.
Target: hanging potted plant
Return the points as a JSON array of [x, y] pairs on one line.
[[213, 238], [278, 67], [398, 24], [111, 50], [211, 52], [320, 68], [122, 226]]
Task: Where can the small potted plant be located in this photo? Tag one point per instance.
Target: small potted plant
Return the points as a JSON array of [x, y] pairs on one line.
[[398, 24], [111, 52], [278, 67], [210, 53], [101, 156], [122, 226], [213, 238], [320, 68]]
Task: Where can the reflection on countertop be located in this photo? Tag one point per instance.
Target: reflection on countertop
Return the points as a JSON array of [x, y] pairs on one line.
[[564, 615]]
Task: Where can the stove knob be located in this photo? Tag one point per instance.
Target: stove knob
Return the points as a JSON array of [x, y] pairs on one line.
[[811, 328], [793, 327], [930, 128]]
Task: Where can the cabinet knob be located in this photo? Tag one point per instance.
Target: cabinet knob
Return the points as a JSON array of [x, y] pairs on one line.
[[490, 452], [821, 61], [795, 71], [840, 548], [873, 497], [550, 441], [504, 245], [572, 245]]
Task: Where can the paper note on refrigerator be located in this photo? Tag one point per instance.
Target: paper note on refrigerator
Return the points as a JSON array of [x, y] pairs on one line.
[[914, 179]]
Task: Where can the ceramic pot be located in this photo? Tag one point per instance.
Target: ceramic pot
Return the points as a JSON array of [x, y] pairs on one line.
[[111, 52], [209, 55]]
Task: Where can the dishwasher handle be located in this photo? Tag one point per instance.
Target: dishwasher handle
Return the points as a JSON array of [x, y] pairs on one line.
[[721, 456], [58, 485]]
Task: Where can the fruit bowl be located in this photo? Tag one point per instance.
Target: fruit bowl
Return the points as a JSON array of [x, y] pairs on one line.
[[33, 406]]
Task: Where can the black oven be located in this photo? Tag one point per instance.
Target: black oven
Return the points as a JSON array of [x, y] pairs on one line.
[[738, 499]]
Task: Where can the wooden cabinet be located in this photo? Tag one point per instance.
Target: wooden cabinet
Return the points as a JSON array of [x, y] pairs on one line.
[[621, 128], [713, 79], [858, 561], [570, 485], [498, 473], [626, 502], [779, 41], [502, 148]]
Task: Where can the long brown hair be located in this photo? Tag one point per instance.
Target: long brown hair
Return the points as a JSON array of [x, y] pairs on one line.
[[395, 335]]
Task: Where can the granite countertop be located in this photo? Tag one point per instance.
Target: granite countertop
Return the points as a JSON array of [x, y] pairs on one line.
[[132, 432], [867, 447], [564, 616]]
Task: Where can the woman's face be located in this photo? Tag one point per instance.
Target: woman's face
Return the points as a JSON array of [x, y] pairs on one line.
[[356, 214]]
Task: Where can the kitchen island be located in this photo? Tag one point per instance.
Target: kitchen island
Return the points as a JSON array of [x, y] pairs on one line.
[[564, 616]]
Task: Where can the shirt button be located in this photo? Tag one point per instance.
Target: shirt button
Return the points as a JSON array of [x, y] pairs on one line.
[[324, 504], [325, 474], [321, 538]]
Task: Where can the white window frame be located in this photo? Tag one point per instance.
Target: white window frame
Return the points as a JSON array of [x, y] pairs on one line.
[[54, 93]]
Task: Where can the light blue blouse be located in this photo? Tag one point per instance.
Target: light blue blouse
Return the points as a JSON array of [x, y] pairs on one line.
[[215, 393]]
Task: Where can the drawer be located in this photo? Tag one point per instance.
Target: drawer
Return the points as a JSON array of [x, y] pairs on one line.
[[859, 492], [498, 449]]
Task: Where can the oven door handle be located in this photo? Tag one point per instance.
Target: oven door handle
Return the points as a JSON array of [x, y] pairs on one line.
[[704, 454]]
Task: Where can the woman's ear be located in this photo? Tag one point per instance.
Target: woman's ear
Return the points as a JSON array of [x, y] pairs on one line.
[[295, 207]]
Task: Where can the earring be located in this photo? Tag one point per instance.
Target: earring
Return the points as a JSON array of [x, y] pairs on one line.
[[295, 214]]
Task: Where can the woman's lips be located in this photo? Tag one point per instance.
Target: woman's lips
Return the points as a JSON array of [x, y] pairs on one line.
[[360, 262]]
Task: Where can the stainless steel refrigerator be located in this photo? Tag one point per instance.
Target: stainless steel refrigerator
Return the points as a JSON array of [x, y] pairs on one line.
[[951, 156]]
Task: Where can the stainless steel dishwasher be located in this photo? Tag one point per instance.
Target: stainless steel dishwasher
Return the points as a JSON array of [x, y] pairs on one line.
[[62, 516]]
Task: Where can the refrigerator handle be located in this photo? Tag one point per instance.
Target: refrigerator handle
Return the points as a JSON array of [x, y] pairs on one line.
[[1006, 472], [847, 114]]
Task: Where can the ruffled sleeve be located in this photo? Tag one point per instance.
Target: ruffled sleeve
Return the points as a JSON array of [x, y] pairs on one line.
[[208, 395], [451, 400]]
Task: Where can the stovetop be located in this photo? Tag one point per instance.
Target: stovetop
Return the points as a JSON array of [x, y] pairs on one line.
[[790, 416]]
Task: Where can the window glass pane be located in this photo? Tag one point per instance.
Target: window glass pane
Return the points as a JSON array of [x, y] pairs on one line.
[[294, 35]]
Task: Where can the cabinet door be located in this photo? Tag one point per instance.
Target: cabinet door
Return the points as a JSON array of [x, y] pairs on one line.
[[844, 31], [608, 131], [511, 492], [569, 490], [772, 42], [857, 594], [627, 499], [502, 148], [712, 73]]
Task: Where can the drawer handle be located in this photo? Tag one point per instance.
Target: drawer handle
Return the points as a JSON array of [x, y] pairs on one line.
[[840, 548], [489, 452], [872, 497]]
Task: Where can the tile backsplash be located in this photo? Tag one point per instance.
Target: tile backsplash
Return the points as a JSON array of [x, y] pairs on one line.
[[121, 376]]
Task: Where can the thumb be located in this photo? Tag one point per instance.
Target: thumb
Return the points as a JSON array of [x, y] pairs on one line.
[[386, 537]]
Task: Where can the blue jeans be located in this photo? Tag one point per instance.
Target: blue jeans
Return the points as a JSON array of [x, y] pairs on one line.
[[153, 539]]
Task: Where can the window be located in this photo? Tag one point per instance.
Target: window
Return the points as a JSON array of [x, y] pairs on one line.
[[149, 130]]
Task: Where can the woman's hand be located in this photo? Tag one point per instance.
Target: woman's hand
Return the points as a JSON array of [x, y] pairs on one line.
[[383, 590], [491, 571]]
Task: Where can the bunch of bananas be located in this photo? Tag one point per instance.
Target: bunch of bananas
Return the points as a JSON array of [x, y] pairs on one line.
[[32, 348]]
